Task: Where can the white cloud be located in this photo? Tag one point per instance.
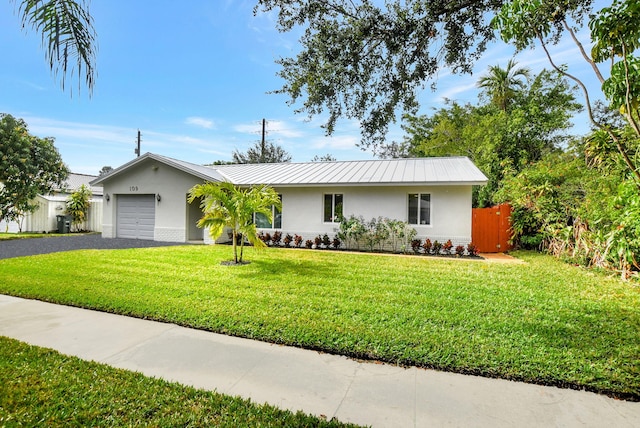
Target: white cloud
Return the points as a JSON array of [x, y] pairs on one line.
[[201, 122], [342, 142]]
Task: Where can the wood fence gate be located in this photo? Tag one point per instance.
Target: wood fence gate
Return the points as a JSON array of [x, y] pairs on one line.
[[491, 228]]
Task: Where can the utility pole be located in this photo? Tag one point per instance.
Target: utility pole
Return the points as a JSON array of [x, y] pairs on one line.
[[262, 143], [137, 150]]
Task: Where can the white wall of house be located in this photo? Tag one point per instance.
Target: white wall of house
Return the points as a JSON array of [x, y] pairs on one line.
[[172, 221], [44, 218], [303, 209]]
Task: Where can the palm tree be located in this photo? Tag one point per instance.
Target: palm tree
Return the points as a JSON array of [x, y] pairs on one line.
[[501, 85], [67, 33], [226, 205]]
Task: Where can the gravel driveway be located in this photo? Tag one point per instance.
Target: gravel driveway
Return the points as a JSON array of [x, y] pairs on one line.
[[27, 247]]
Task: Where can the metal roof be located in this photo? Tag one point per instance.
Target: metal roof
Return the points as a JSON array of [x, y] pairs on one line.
[[204, 172], [413, 171], [74, 181]]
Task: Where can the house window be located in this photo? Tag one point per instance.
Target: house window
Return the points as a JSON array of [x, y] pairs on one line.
[[332, 208], [419, 208], [262, 222]]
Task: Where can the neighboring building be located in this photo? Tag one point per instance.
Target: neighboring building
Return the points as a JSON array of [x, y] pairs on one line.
[[44, 219], [147, 197]]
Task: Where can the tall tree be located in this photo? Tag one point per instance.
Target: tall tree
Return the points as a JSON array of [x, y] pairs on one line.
[[262, 152], [498, 141], [66, 27], [226, 205], [500, 85], [369, 60], [616, 37], [28, 166]]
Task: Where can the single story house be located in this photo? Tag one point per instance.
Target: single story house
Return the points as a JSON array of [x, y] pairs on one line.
[[44, 218], [147, 197]]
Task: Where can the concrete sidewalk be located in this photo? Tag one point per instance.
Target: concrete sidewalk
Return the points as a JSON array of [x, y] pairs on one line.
[[380, 395]]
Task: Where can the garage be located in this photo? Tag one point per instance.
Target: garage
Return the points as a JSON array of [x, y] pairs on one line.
[[136, 216]]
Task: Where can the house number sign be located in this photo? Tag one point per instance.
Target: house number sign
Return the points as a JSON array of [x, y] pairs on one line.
[[133, 188]]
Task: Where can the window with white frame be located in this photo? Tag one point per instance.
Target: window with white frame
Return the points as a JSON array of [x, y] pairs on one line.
[[262, 222], [333, 207], [419, 208]]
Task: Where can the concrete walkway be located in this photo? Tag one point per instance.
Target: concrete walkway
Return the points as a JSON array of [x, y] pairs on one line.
[[365, 393]]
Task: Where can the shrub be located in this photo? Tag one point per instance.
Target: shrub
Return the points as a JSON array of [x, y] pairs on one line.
[[472, 250], [415, 245], [336, 243], [427, 246], [276, 238], [297, 241], [317, 241], [288, 239], [78, 206], [308, 243], [447, 246], [437, 247], [326, 241], [460, 250]]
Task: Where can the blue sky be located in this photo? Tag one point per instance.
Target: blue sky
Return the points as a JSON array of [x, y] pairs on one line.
[[193, 77]]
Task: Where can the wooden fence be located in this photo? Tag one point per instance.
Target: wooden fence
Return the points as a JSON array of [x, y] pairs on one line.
[[491, 228]]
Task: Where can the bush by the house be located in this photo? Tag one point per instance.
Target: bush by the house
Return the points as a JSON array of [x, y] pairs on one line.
[[378, 234]]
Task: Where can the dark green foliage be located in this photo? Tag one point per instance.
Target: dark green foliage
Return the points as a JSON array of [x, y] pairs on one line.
[[366, 60], [499, 141], [262, 153], [28, 166]]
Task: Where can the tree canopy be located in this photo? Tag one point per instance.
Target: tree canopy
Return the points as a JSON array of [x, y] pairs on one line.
[[29, 166], [262, 152], [369, 60], [536, 122]]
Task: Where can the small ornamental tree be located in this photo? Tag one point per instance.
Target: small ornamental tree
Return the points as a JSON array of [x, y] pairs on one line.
[[29, 166], [226, 205], [78, 206]]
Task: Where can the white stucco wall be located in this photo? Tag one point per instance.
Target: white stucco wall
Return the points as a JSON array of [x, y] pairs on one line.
[[151, 177], [302, 209], [302, 212]]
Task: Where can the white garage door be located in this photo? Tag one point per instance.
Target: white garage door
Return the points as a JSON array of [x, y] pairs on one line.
[[136, 216]]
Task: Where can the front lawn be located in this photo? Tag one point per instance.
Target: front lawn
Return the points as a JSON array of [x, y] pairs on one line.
[[40, 387], [542, 322]]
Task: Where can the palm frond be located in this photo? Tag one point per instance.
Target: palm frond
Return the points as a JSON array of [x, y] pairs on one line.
[[67, 34]]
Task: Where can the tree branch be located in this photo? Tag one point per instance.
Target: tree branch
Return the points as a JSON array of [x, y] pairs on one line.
[[611, 134]]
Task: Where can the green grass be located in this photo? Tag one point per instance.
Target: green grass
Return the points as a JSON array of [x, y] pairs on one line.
[[30, 235], [40, 387], [542, 322]]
